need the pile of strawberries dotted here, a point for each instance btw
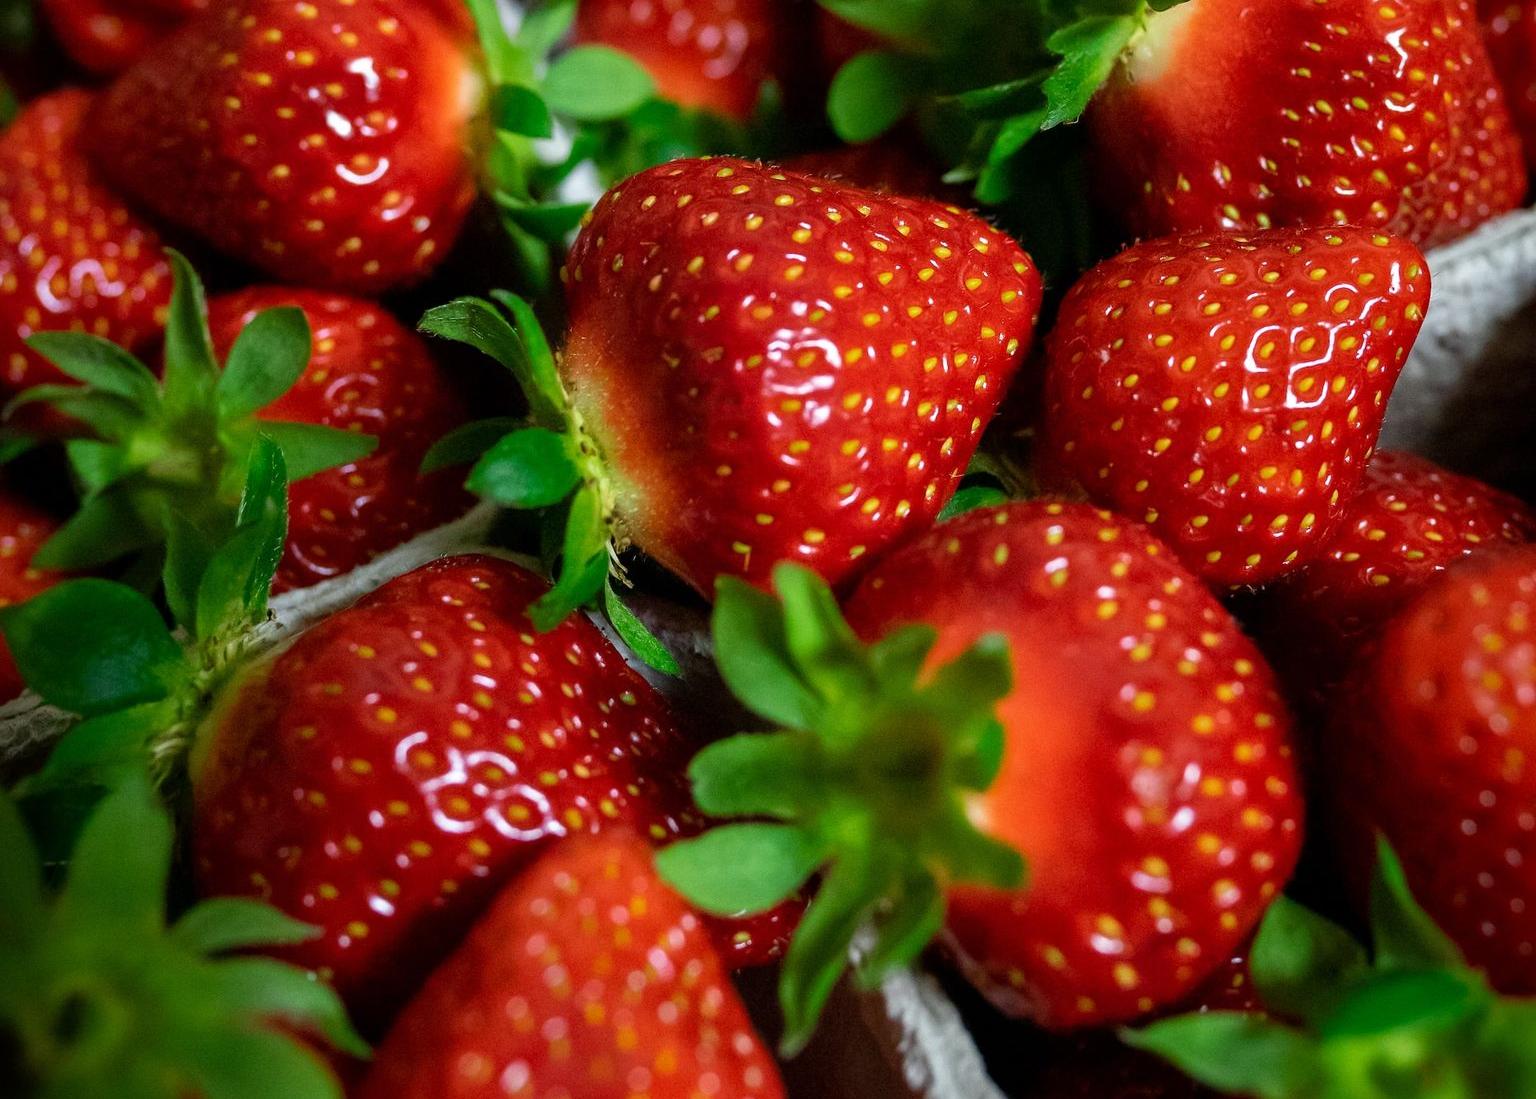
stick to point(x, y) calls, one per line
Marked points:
point(1001, 379)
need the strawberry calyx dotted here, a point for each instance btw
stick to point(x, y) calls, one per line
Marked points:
point(1406, 1018)
point(100, 997)
point(165, 460)
point(547, 463)
point(867, 784)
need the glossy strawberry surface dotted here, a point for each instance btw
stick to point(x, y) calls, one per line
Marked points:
point(1410, 522)
point(1432, 747)
point(1253, 113)
point(1146, 777)
point(1228, 389)
point(367, 373)
point(1509, 30)
point(385, 773)
point(588, 977)
point(777, 367)
point(711, 54)
point(323, 141)
point(72, 254)
point(23, 530)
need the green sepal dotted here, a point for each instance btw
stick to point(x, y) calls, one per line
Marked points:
point(523, 351)
point(550, 222)
point(871, 93)
point(191, 373)
point(99, 363)
point(310, 448)
point(634, 633)
point(596, 84)
point(545, 26)
point(870, 781)
point(109, 749)
point(529, 468)
point(970, 498)
point(107, 526)
point(22, 911)
point(519, 109)
point(233, 589)
point(1236, 1053)
point(1302, 962)
point(583, 562)
point(1402, 934)
point(1088, 49)
point(221, 924)
point(464, 445)
point(269, 355)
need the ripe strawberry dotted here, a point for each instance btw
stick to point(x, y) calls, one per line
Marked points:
point(1509, 31)
point(1431, 746)
point(1234, 114)
point(325, 141)
point(106, 36)
point(892, 166)
point(384, 774)
point(23, 529)
point(1228, 389)
point(714, 55)
point(1141, 765)
point(72, 256)
point(1411, 521)
point(776, 367)
point(587, 977)
point(366, 373)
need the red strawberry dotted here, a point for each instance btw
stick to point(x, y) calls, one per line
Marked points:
point(106, 36)
point(893, 166)
point(1252, 113)
point(587, 977)
point(71, 254)
point(1509, 31)
point(1410, 522)
point(385, 773)
point(324, 141)
point(780, 368)
point(23, 529)
point(367, 373)
point(1432, 746)
point(1228, 389)
point(709, 54)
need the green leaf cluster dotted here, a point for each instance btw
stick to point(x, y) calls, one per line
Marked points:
point(99, 997)
point(163, 462)
point(866, 784)
point(1405, 1020)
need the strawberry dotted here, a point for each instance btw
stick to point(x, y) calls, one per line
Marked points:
point(1138, 760)
point(23, 529)
point(382, 775)
point(760, 366)
point(1233, 114)
point(367, 373)
point(72, 256)
point(106, 36)
point(324, 142)
point(1228, 389)
point(1411, 521)
point(587, 977)
point(713, 55)
point(1509, 31)
point(1430, 746)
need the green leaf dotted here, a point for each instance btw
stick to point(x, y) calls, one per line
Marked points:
point(545, 26)
point(596, 84)
point(755, 774)
point(970, 855)
point(187, 553)
point(1089, 49)
point(191, 372)
point(1235, 1053)
point(234, 587)
point(13, 444)
point(22, 912)
point(753, 655)
point(269, 355)
point(265, 989)
point(898, 20)
point(820, 642)
point(583, 562)
point(740, 869)
point(465, 444)
point(504, 61)
point(519, 109)
point(1402, 934)
point(109, 749)
point(641, 641)
point(121, 864)
point(309, 449)
point(897, 659)
point(1302, 963)
point(481, 325)
point(551, 222)
point(91, 646)
point(914, 920)
point(97, 465)
point(531, 468)
point(99, 363)
point(257, 1064)
point(1003, 101)
point(540, 356)
point(110, 417)
point(106, 527)
point(972, 497)
point(870, 94)
point(1403, 999)
point(221, 924)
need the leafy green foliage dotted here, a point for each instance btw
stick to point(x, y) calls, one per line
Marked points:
point(866, 784)
point(1407, 1019)
point(101, 999)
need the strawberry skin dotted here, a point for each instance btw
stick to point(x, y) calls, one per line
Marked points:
point(23, 530)
point(106, 36)
point(1146, 777)
point(1228, 389)
point(1253, 113)
point(1432, 747)
point(381, 776)
point(1411, 521)
point(72, 255)
point(587, 977)
point(777, 367)
point(367, 373)
point(324, 142)
point(1509, 31)
point(714, 55)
